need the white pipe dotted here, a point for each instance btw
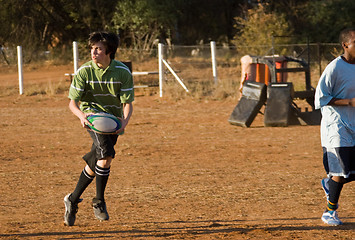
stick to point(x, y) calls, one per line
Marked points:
point(214, 61)
point(161, 68)
point(20, 68)
point(175, 75)
point(76, 56)
point(143, 73)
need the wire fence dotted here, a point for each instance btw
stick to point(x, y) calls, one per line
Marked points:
point(194, 54)
point(193, 64)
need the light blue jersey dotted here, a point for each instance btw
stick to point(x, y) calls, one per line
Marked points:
point(338, 122)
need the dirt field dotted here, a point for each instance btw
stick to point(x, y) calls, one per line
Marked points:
point(182, 172)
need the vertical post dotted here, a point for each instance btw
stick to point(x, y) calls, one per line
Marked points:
point(214, 61)
point(76, 56)
point(20, 69)
point(161, 68)
point(319, 59)
point(274, 74)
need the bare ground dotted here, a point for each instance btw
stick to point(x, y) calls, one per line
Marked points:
point(182, 172)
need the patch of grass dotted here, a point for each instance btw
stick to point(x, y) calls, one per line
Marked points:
point(8, 91)
point(49, 89)
point(198, 90)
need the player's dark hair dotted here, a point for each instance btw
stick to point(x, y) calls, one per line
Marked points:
point(345, 34)
point(109, 40)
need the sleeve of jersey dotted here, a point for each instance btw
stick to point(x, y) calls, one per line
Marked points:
point(323, 93)
point(127, 90)
point(77, 86)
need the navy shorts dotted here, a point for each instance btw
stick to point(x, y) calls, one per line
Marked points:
point(102, 146)
point(339, 161)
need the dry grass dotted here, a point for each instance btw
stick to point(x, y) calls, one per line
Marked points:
point(50, 89)
point(196, 75)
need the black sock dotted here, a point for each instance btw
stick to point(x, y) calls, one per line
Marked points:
point(102, 175)
point(334, 194)
point(84, 180)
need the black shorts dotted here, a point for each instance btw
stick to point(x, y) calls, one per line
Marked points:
point(339, 161)
point(102, 146)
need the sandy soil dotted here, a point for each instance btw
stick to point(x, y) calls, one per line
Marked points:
point(182, 172)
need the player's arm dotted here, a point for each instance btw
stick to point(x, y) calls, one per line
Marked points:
point(127, 113)
point(74, 108)
point(342, 102)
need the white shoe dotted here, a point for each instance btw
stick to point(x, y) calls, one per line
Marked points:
point(331, 218)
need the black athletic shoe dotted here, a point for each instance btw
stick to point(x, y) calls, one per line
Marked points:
point(100, 210)
point(70, 210)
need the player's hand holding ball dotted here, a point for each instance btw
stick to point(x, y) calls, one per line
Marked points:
point(85, 123)
point(123, 125)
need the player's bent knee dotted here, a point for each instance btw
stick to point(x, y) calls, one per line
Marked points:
point(105, 162)
point(89, 171)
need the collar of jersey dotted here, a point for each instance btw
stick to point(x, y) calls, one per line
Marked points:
point(112, 64)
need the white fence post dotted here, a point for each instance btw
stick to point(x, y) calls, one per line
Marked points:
point(161, 68)
point(214, 61)
point(162, 62)
point(76, 56)
point(20, 68)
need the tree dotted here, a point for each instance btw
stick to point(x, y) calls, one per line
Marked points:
point(328, 17)
point(142, 22)
point(206, 20)
point(26, 25)
point(320, 20)
point(257, 29)
point(43, 23)
point(296, 13)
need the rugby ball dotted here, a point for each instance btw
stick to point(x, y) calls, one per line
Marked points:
point(104, 123)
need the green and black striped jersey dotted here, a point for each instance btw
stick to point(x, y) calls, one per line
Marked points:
point(102, 90)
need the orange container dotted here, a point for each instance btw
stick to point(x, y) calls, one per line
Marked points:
point(262, 73)
point(281, 77)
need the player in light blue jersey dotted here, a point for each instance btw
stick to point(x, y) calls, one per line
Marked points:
point(335, 96)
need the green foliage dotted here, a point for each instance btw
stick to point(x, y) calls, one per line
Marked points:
point(328, 17)
point(143, 21)
point(40, 25)
point(51, 23)
point(18, 22)
point(258, 29)
point(205, 20)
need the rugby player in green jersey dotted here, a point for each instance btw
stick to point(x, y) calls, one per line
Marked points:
point(100, 85)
